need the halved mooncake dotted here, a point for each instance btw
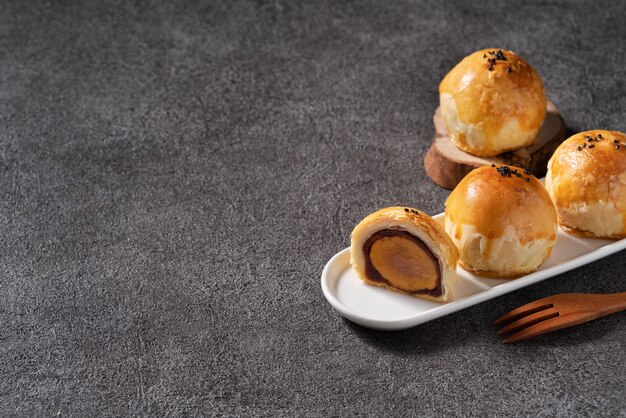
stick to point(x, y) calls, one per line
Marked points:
point(405, 250)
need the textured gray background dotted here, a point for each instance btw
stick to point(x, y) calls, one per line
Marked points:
point(175, 176)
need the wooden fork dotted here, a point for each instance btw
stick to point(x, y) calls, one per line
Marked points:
point(558, 312)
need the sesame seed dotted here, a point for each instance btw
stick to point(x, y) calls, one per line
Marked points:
point(591, 146)
point(527, 179)
point(617, 146)
point(578, 148)
point(505, 171)
point(406, 210)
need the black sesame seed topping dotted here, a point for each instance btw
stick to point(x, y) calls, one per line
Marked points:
point(585, 145)
point(495, 56)
point(406, 210)
point(617, 146)
point(505, 171)
point(600, 136)
point(527, 179)
point(591, 146)
point(590, 139)
point(578, 148)
point(615, 141)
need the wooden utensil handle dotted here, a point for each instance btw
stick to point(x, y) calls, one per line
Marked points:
point(615, 302)
point(599, 305)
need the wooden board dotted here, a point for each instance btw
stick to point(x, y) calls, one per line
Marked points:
point(446, 164)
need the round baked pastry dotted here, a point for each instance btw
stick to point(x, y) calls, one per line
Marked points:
point(404, 249)
point(492, 102)
point(502, 221)
point(587, 182)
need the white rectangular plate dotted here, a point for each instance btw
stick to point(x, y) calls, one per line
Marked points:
point(382, 309)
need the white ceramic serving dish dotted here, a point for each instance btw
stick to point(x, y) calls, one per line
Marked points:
point(383, 309)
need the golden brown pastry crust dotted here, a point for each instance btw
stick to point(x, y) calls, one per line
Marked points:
point(418, 224)
point(493, 101)
point(586, 180)
point(504, 225)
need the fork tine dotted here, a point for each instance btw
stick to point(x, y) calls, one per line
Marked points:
point(528, 309)
point(544, 327)
point(529, 320)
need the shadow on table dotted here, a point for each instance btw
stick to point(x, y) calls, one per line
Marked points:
point(431, 337)
point(473, 327)
point(439, 335)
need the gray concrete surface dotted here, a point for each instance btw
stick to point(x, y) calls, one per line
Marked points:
point(174, 176)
